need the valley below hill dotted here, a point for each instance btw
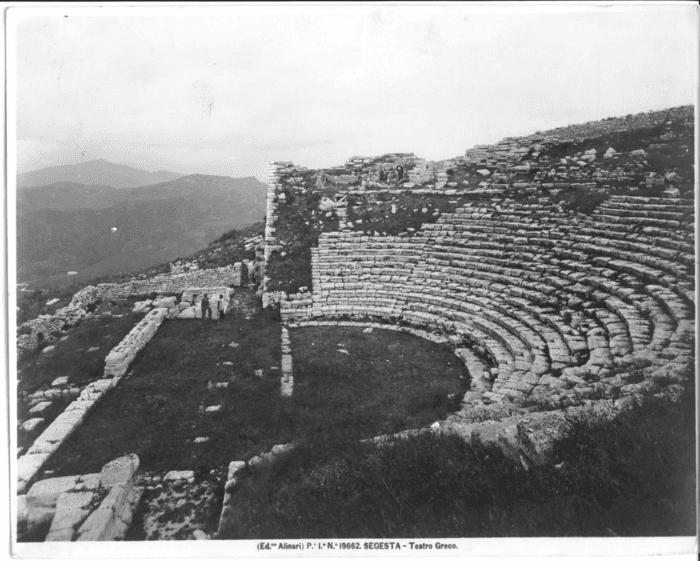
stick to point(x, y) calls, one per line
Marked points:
point(95, 230)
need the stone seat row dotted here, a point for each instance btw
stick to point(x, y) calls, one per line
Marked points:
point(510, 267)
point(559, 276)
point(627, 315)
point(564, 338)
point(477, 269)
point(638, 269)
point(557, 350)
point(619, 210)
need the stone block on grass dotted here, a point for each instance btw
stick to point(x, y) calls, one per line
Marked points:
point(40, 408)
point(186, 475)
point(119, 470)
point(31, 426)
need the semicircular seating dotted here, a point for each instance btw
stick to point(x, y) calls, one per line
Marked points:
point(557, 309)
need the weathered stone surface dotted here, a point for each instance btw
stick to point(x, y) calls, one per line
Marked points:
point(72, 508)
point(142, 306)
point(233, 468)
point(189, 313)
point(539, 432)
point(119, 470)
point(27, 467)
point(179, 475)
point(32, 425)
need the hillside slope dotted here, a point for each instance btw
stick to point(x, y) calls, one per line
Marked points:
point(72, 231)
point(66, 195)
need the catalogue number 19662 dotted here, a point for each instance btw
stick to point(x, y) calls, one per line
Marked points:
point(355, 545)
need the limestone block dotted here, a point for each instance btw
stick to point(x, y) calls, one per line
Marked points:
point(539, 432)
point(123, 517)
point(190, 313)
point(165, 302)
point(186, 475)
point(42, 498)
point(40, 408)
point(31, 425)
point(45, 493)
point(142, 306)
point(96, 525)
point(233, 468)
point(119, 470)
point(71, 510)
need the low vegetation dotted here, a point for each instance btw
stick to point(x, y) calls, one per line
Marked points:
point(632, 477)
point(394, 214)
point(173, 510)
point(79, 355)
point(299, 225)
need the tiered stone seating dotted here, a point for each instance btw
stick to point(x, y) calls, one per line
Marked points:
point(551, 305)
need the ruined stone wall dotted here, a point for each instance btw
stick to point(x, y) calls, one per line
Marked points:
point(168, 284)
point(48, 328)
point(273, 186)
point(510, 151)
point(119, 358)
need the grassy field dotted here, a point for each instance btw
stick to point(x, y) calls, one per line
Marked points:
point(384, 382)
point(634, 477)
point(72, 357)
point(387, 382)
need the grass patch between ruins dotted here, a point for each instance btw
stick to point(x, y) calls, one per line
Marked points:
point(72, 357)
point(387, 382)
point(632, 477)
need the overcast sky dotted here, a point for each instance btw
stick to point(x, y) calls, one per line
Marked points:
point(228, 91)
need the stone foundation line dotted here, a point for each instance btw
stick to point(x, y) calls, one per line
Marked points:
point(287, 381)
point(116, 364)
point(232, 479)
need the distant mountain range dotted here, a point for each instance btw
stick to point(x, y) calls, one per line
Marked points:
point(95, 172)
point(68, 225)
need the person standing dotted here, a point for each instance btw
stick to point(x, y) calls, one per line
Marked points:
point(206, 308)
point(220, 307)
